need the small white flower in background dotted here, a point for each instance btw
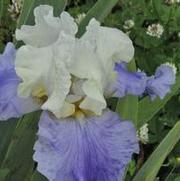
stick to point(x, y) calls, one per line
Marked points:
point(143, 134)
point(179, 34)
point(128, 24)
point(15, 9)
point(155, 30)
point(80, 17)
point(173, 66)
point(170, 2)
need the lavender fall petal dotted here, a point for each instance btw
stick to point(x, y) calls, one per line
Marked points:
point(10, 104)
point(91, 149)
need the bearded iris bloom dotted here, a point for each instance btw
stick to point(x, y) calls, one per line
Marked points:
point(79, 138)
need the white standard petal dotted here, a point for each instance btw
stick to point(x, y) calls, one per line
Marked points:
point(47, 28)
point(111, 43)
point(68, 23)
point(86, 65)
point(96, 54)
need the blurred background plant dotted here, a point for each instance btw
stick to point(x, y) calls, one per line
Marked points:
point(154, 27)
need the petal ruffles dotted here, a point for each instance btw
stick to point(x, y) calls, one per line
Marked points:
point(47, 28)
point(128, 83)
point(92, 149)
point(160, 84)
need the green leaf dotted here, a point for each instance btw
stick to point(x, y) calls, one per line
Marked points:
point(173, 177)
point(162, 11)
point(3, 8)
point(148, 108)
point(99, 11)
point(132, 167)
point(127, 107)
point(152, 165)
point(6, 131)
point(38, 177)
point(18, 158)
point(27, 16)
point(177, 178)
point(3, 174)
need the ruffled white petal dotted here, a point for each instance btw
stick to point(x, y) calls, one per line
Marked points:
point(47, 28)
point(111, 43)
point(68, 24)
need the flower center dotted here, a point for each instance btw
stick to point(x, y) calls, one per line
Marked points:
point(81, 113)
point(40, 94)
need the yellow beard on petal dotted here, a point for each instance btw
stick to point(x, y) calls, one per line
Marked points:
point(40, 94)
point(81, 113)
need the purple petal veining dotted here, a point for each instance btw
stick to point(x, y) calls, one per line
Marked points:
point(92, 149)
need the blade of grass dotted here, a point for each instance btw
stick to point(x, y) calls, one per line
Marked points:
point(99, 11)
point(152, 165)
point(38, 177)
point(6, 132)
point(18, 158)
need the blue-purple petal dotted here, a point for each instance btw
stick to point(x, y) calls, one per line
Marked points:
point(10, 104)
point(160, 84)
point(92, 149)
point(128, 83)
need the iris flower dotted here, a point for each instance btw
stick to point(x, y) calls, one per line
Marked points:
point(79, 137)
